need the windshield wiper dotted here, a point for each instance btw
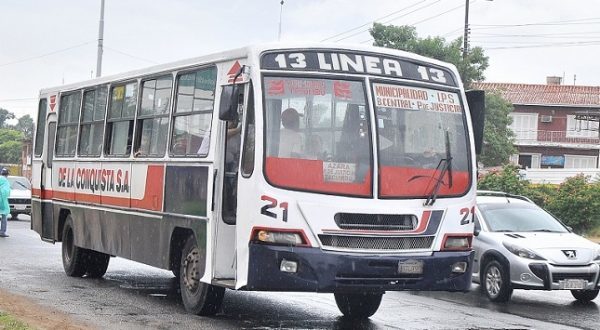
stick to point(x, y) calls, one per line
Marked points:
point(545, 230)
point(446, 168)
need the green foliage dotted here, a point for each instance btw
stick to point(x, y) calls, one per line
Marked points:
point(5, 115)
point(25, 125)
point(406, 38)
point(497, 136)
point(10, 146)
point(506, 180)
point(9, 322)
point(575, 202)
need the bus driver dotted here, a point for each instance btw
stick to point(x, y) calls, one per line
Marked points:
point(290, 139)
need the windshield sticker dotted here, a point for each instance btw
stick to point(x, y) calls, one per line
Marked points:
point(342, 90)
point(339, 172)
point(296, 87)
point(411, 98)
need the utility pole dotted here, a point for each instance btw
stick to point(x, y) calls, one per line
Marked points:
point(280, 15)
point(466, 35)
point(100, 40)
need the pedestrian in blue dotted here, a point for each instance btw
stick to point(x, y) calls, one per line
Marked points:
point(4, 206)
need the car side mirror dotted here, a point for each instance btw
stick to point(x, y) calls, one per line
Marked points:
point(228, 109)
point(570, 229)
point(476, 231)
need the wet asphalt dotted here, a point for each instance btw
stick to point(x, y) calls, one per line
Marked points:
point(136, 296)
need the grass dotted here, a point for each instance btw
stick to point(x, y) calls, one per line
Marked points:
point(7, 322)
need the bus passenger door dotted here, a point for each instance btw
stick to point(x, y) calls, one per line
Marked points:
point(47, 213)
point(225, 245)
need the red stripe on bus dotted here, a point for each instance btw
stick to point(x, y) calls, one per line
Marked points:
point(152, 200)
point(306, 174)
point(414, 182)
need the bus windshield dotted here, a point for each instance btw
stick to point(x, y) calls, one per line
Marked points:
point(317, 135)
point(418, 129)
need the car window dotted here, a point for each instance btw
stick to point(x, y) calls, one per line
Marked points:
point(19, 183)
point(519, 217)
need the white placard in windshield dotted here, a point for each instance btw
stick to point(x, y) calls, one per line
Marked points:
point(339, 172)
point(413, 98)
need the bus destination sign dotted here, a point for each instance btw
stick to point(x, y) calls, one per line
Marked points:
point(356, 63)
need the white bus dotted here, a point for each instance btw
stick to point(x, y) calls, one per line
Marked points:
point(301, 167)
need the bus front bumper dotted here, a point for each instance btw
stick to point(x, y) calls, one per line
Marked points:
point(327, 271)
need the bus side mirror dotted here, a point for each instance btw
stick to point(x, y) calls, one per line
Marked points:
point(228, 106)
point(476, 101)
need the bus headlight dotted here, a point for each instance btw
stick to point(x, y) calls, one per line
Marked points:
point(276, 236)
point(457, 242)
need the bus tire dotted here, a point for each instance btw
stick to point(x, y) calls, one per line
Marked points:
point(198, 298)
point(73, 257)
point(358, 305)
point(97, 264)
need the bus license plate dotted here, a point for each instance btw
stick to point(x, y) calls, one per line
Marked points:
point(410, 267)
point(571, 284)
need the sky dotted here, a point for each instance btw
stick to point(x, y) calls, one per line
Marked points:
point(48, 43)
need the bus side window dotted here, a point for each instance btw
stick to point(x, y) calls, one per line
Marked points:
point(192, 116)
point(249, 140)
point(92, 122)
point(41, 125)
point(153, 117)
point(68, 122)
point(119, 125)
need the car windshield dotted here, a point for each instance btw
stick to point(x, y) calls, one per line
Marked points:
point(19, 183)
point(518, 217)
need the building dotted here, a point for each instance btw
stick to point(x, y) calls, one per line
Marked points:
point(552, 124)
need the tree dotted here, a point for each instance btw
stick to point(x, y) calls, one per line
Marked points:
point(406, 38)
point(10, 146)
point(25, 125)
point(4, 116)
point(497, 136)
point(576, 203)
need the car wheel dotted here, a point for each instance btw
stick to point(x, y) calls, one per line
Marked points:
point(496, 282)
point(358, 305)
point(73, 257)
point(13, 216)
point(584, 295)
point(198, 298)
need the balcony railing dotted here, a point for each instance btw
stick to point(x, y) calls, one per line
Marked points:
point(531, 136)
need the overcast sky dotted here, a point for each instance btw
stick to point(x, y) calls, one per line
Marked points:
point(46, 43)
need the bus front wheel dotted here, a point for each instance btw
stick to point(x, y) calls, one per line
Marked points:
point(73, 257)
point(198, 298)
point(358, 305)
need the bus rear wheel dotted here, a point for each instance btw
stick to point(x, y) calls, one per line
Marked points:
point(358, 305)
point(198, 298)
point(97, 263)
point(73, 257)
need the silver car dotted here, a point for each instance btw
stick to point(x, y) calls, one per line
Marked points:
point(518, 245)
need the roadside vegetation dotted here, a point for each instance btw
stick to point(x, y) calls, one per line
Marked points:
point(575, 202)
point(8, 322)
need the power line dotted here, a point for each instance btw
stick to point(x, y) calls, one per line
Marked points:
point(18, 100)
point(388, 21)
point(549, 45)
point(373, 21)
point(129, 55)
point(553, 23)
point(45, 55)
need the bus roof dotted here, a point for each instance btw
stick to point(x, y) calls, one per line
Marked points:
point(241, 53)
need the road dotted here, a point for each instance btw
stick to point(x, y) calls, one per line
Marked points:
point(135, 296)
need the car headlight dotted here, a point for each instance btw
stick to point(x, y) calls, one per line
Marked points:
point(521, 251)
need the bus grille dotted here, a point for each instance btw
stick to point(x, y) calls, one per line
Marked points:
point(376, 221)
point(376, 243)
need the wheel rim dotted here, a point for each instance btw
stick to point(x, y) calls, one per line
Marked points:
point(191, 275)
point(68, 243)
point(493, 281)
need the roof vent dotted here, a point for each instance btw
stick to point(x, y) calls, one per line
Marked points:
point(553, 80)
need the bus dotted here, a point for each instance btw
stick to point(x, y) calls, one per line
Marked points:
point(287, 167)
